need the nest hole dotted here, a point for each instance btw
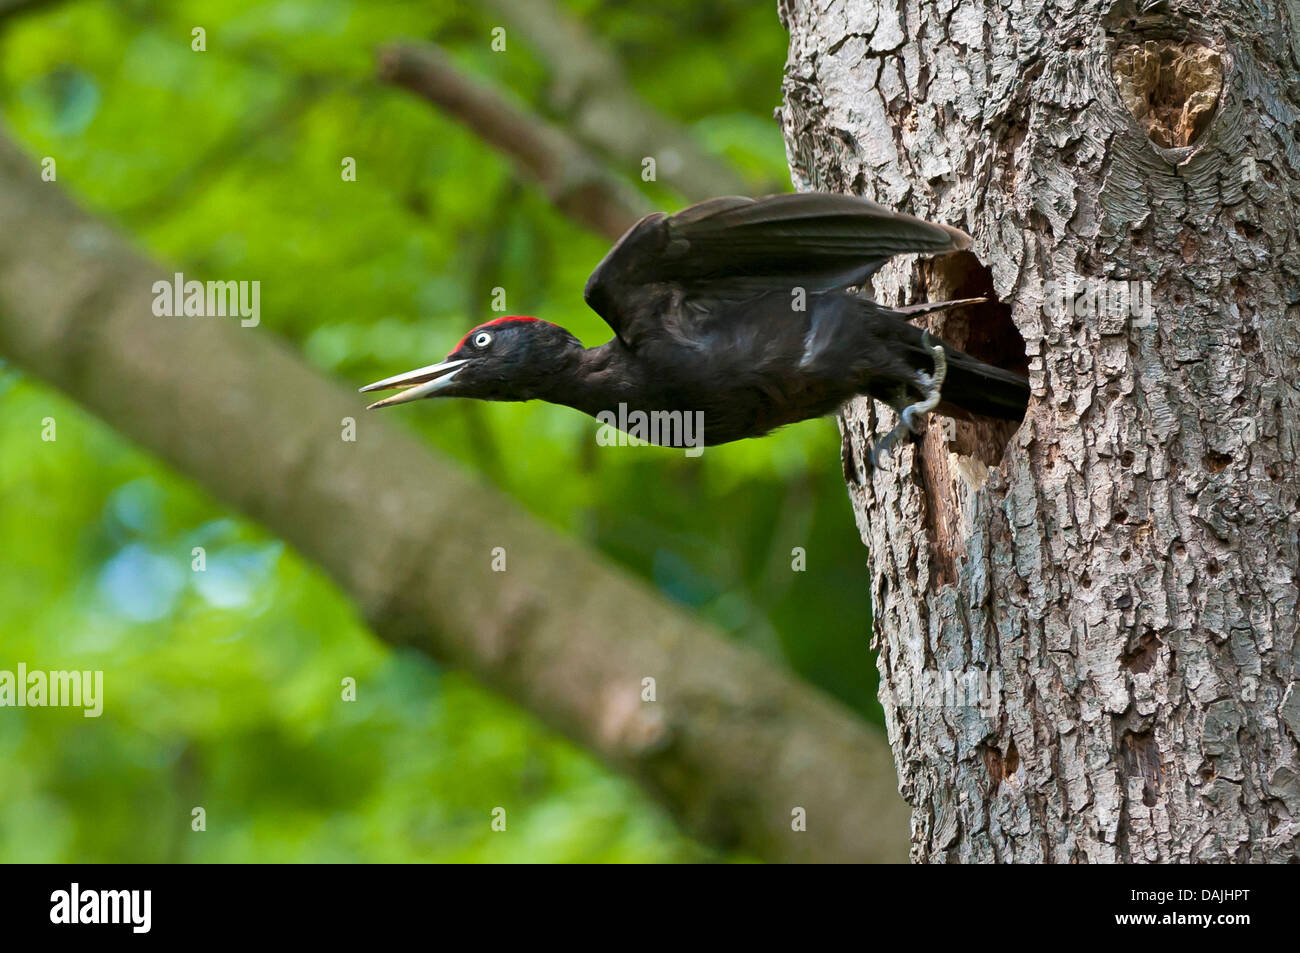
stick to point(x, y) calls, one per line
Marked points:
point(984, 331)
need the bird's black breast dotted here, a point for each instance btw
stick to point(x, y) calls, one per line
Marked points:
point(750, 365)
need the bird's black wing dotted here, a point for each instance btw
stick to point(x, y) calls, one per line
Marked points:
point(733, 248)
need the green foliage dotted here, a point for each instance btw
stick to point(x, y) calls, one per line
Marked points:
point(223, 687)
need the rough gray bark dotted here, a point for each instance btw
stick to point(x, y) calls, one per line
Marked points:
point(1121, 571)
point(731, 745)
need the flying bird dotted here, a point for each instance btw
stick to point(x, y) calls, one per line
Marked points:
point(738, 311)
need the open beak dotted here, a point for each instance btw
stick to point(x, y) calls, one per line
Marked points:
point(416, 384)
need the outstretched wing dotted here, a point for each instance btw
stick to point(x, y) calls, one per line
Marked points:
point(733, 248)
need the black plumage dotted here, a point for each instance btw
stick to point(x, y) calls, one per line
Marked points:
point(735, 309)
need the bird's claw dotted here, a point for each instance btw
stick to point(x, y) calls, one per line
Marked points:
point(884, 445)
point(912, 419)
point(931, 385)
point(880, 451)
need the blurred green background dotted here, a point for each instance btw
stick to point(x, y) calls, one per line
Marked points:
point(222, 687)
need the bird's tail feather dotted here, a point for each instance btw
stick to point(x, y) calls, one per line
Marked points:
point(971, 384)
point(982, 388)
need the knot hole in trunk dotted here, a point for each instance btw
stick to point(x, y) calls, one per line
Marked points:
point(1169, 77)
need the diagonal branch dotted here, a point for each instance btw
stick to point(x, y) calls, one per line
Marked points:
point(575, 182)
point(9, 8)
point(733, 744)
point(604, 110)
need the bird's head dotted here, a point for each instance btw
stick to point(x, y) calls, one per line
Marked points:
point(510, 358)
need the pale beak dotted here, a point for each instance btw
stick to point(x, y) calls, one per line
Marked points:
point(418, 383)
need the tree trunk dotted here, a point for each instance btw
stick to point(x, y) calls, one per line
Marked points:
point(1086, 625)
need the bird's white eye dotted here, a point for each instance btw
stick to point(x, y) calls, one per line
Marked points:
point(482, 339)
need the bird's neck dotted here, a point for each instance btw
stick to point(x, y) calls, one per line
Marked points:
point(598, 379)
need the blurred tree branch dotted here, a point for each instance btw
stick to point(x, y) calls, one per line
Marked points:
point(603, 109)
point(732, 745)
point(10, 8)
point(577, 184)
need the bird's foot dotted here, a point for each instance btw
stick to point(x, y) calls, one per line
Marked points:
point(910, 416)
point(930, 384)
point(885, 445)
